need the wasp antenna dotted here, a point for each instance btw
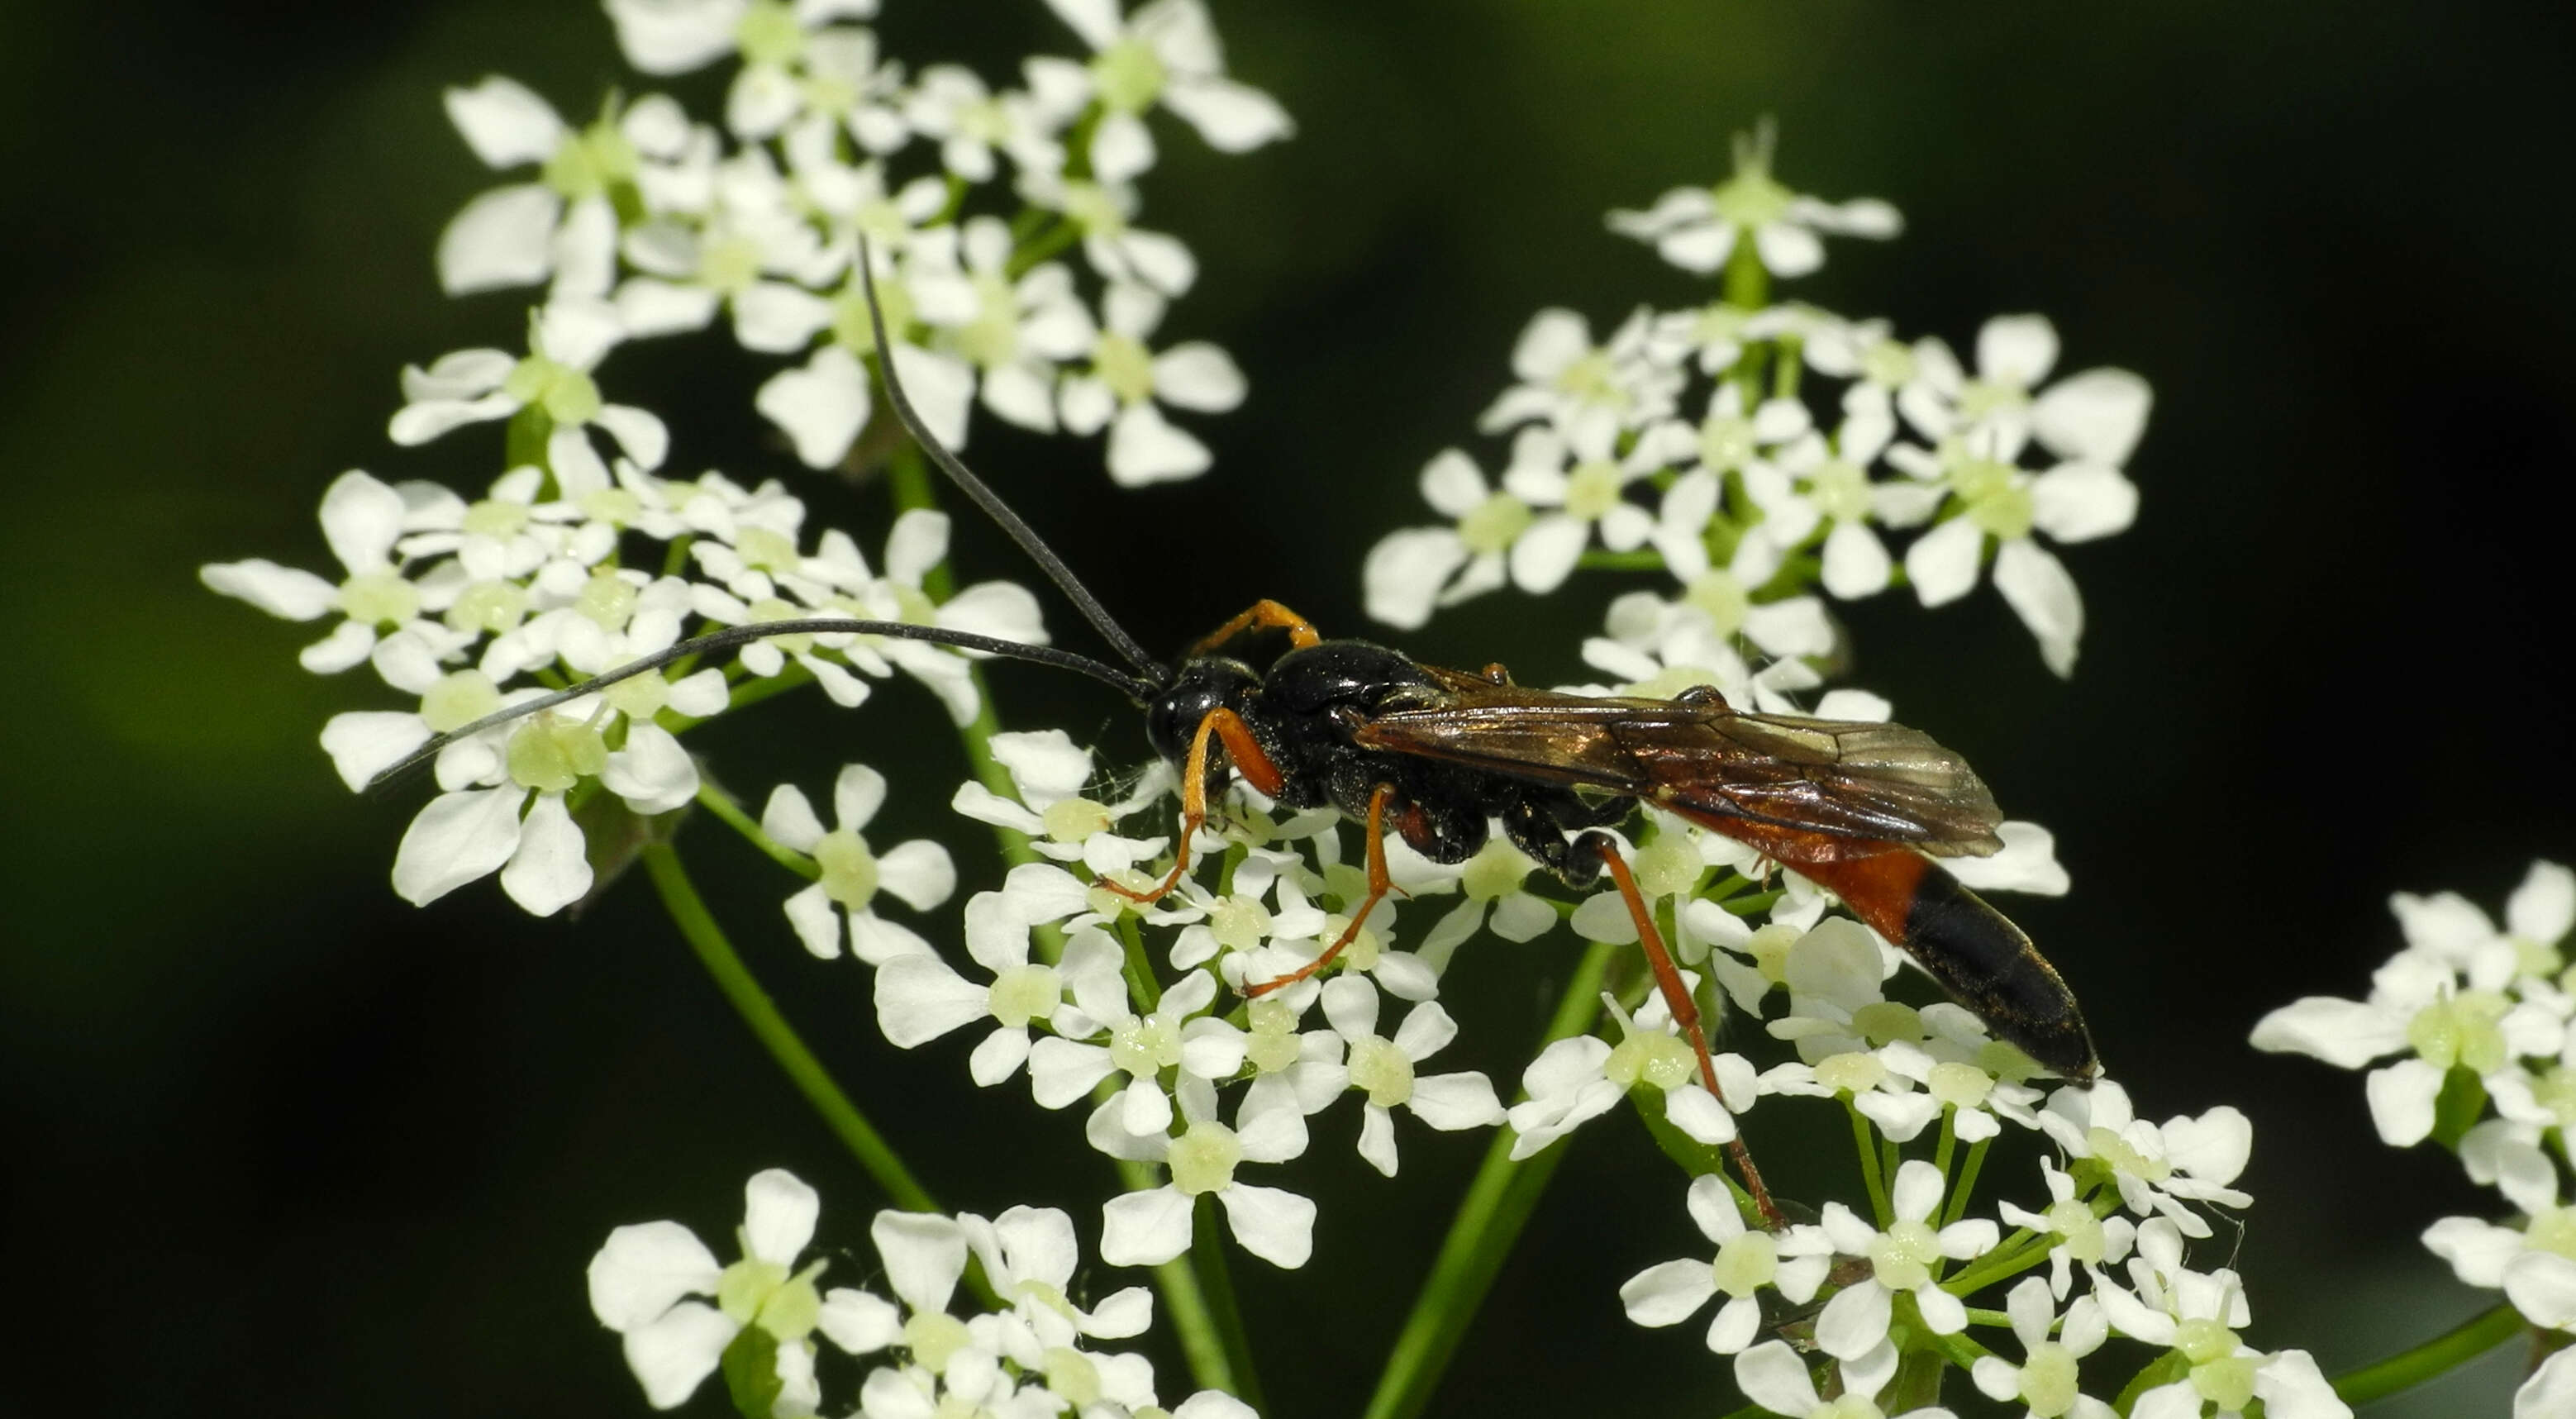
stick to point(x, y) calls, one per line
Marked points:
point(990, 501)
point(1140, 691)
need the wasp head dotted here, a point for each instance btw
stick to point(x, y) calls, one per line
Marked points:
point(1204, 685)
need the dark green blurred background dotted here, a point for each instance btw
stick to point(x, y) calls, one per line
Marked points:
point(279, 1144)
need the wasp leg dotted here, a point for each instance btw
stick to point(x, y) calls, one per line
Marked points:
point(1677, 999)
point(1379, 884)
point(1223, 726)
point(1265, 615)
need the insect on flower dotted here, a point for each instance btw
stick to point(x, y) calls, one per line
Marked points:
point(1439, 756)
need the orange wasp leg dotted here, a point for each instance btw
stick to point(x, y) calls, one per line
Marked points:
point(1265, 615)
point(1685, 1012)
point(1379, 884)
point(1226, 727)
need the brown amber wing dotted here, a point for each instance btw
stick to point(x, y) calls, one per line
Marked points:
point(1850, 780)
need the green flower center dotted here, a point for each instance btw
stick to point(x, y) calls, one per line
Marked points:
point(1091, 208)
point(1143, 1046)
point(1497, 870)
point(1902, 1257)
point(729, 264)
point(568, 395)
point(608, 599)
point(550, 755)
point(762, 1293)
point(1888, 363)
point(2116, 1154)
point(590, 162)
point(1649, 1056)
point(849, 869)
point(768, 33)
point(1961, 1086)
point(1025, 993)
point(1721, 598)
point(1840, 490)
point(1849, 1406)
point(1996, 497)
point(1852, 1072)
point(1239, 923)
point(1203, 1159)
point(850, 327)
point(1271, 1042)
point(379, 599)
point(496, 518)
point(2048, 1380)
point(1125, 365)
point(1072, 1376)
point(1886, 1021)
point(993, 337)
point(2081, 1230)
point(770, 608)
point(2462, 1031)
point(1746, 1262)
point(458, 699)
point(493, 606)
point(1592, 489)
point(2553, 1229)
point(1128, 75)
point(1985, 398)
point(1667, 866)
point(766, 548)
point(1070, 820)
point(614, 506)
point(1593, 378)
point(1380, 1068)
point(638, 697)
point(1726, 442)
point(1752, 197)
point(935, 1337)
point(1495, 524)
point(1769, 949)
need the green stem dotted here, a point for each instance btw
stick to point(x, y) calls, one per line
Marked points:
point(689, 911)
point(1490, 1217)
point(1601, 561)
point(1207, 1263)
point(1949, 1141)
point(720, 803)
point(1869, 1173)
point(1959, 1195)
point(2445, 1352)
point(2006, 1263)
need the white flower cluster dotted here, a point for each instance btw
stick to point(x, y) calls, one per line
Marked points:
point(1698, 442)
point(2482, 1024)
point(660, 224)
point(1031, 1354)
point(646, 223)
point(2122, 1197)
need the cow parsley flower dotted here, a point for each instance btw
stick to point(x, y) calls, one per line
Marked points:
point(1698, 228)
point(2046, 1380)
point(1587, 392)
point(1747, 1261)
point(362, 521)
point(916, 873)
point(1383, 1069)
point(1901, 1258)
point(1150, 1227)
point(1126, 383)
point(1772, 1375)
point(566, 340)
point(1166, 52)
point(562, 225)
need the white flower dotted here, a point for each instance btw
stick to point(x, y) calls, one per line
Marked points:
point(919, 997)
point(362, 520)
point(642, 1275)
point(1030, 1256)
point(1165, 52)
point(1772, 1375)
point(565, 341)
point(1411, 571)
point(1588, 494)
point(1813, 485)
point(1576, 1080)
point(1151, 1227)
point(1015, 331)
point(2197, 1314)
point(1121, 252)
point(1490, 882)
point(1049, 773)
point(1125, 381)
point(1588, 392)
point(561, 225)
point(2082, 1236)
point(1139, 1047)
point(2046, 1379)
point(1901, 1258)
point(951, 104)
point(1697, 228)
point(2157, 1167)
point(1746, 1262)
point(2092, 418)
point(2072, 502)
point(917, 873)
point(1383, 1069)
point(792, 56)
point(2419, 1004)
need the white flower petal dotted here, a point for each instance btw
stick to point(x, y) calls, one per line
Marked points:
point(924, 1253)
point(1145, 447)
point(820, 406)
point(671, 1356)
point(1145, 1228)
point(644, 1269)
point(2039, 589)
point(2344, 1033)
point(1198, 376)
point(1942, 563)
point(1668, 1293)
point(549, 870)
point(1854, 1322)
point(1232, 117)
point(502, 238)
point(2097, 415)
point(2401, 1101)
point(1272, 1224)
point(458, 838)
point(918, 999)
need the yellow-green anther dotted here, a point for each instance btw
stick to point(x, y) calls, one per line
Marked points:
point(2007, 513)
point(1902, 1256)
point(790, 1311)
point(608, 599)
point(934, 1338)
point(1072, 1377)
point(2048, 1380)
point(1769, 948)
point(2227, 1383)
point(1854, 1072)
point(1070, 820)
point(2463, 1030)
point(1497, 870)
point(459, 698)
point(550, 755)
point(1378, 1067)
point(1271, 1043)
point(638, 697)
point(1493, 525)
point(1204, 1158)
point(1143, 1046)
point(766, 548)
point(1746, 1262)
point(496, 517)
point(1650, 1057)
point(1726, 442)
point(1022, 994)
point(1668, 865)
point(1840, 490)
point(1592, 489)
point(1124, 365)
point(1962, 1086)
point(1239, 923)
point(1721, 598)
point(2202, 1341)
point(488, 606)
point(1593, 378)
point(1128, 75)
point(2115, 1152)
point(768, 33)
point(850, 315)
point(379, 599)
point(849, 869)
point(1887, 1021)
point(2082, 1232)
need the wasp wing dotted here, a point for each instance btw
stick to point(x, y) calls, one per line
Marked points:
point(1851, 781)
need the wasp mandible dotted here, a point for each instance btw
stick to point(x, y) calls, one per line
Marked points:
point(1439, 757)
